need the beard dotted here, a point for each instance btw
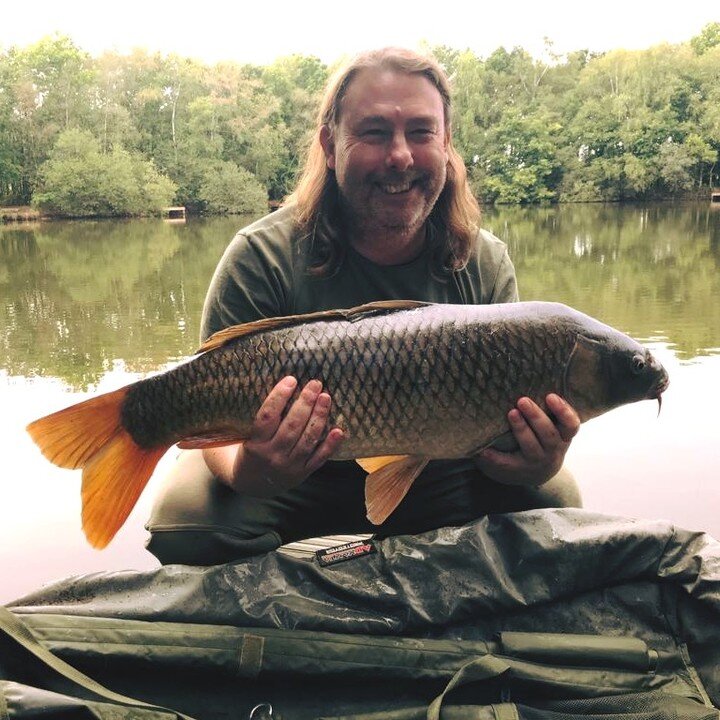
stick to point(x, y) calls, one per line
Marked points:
point(382, 207)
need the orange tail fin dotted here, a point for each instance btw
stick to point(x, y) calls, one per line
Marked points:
point(89, 435)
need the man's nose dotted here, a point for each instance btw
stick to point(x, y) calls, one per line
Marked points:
point(399, 155)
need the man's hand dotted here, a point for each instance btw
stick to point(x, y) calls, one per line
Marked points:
point(543, 442)
point(282, 450)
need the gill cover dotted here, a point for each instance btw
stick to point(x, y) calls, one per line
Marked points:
point(586, 378)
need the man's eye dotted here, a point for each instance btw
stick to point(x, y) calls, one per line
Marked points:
point(422, 135)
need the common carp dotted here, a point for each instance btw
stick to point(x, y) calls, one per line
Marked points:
point(409, 382)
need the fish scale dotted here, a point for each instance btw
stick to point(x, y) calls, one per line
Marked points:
point(388, 380)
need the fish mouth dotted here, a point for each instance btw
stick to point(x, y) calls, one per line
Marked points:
point(661, 384)
point(660, 387)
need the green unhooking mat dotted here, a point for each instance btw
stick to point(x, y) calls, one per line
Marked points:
point(554, 614)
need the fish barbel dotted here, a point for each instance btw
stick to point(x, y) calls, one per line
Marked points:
point(409, 382)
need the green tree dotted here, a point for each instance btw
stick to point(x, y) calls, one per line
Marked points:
point(674, 163)
point(11, 160)
point(49, 88)
point(709, 113)
point(297, 82)
point(627, 122)
point(470, 99)
point(506, 135)
point(113, 122)
point(157, 91)
point(80, 181)
point(254, 132)
point(227, 188)
point(519, 161)
point(618, 126)
point(229, 117)
point(708, 38)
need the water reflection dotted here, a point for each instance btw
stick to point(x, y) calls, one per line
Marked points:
point(650, 271)
point(77, 296)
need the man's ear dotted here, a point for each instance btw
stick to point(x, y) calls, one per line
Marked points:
point(327, 141)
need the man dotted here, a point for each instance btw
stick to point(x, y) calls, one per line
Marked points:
point(382, 211)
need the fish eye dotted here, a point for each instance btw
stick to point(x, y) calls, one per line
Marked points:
point(638, 362)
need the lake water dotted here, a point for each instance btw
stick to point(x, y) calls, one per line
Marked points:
point(90, 306)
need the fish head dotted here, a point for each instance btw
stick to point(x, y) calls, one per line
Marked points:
point(606, 372)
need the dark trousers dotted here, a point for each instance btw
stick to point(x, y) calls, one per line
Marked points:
point(196, 520)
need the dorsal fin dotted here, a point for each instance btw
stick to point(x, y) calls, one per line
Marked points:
point(237, 331)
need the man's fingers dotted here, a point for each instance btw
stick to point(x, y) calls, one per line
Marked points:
point(270, 413)
point(543, 438)
point(325, 450)
point(314, 428)
point(288, 441)
point(567, 420)
point(294, 423)
point(520, 420)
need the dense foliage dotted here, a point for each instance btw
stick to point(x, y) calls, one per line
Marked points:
point(78, 180)
point(122, 134)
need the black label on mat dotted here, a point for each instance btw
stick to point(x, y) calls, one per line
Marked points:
point(348, 551)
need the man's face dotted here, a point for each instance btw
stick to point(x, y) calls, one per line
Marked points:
point(389, 151)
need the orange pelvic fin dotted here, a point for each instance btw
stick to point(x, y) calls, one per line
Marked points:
point(372, 464)
point(388, 483)
point(90, 436)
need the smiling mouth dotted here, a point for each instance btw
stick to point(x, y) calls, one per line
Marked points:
point(396, 188)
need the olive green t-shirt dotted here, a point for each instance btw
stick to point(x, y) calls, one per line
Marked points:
point(263, 274)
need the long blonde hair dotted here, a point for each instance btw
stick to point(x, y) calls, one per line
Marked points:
point(453, 221)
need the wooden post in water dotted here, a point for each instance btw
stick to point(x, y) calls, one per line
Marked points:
point(174, 213)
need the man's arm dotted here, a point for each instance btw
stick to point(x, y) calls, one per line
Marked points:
point(505, 287)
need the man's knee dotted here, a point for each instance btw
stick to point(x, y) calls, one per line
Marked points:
point(560, 491)
point(206, 547)
point(196, 520)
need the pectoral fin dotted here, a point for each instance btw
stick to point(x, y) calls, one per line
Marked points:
point(388, 483)
point(583, 385)
point(210, 440)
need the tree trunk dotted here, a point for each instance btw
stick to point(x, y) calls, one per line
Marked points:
point(174, 136)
